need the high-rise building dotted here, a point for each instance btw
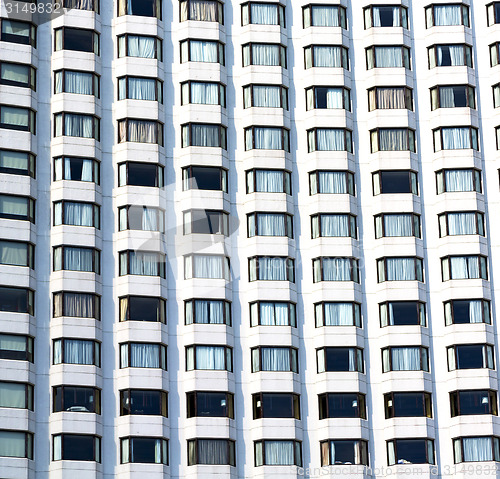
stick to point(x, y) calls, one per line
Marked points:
point(249, 239)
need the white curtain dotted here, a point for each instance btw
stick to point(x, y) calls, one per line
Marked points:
point(334, 269)
point(272, 268)
point(406, 359)
point(204, 93)
point(264, 96)
point(140, 131)
point(14, 205)
point(199, 10)
point(264, 138)
point(264, 13)
point(338, 314)
point(78, 259)
point(86, 170)
point(213, 451)
point(333, 182)
point(14, 253)
point(142, 355)
point(389, 57)
point(139, 46)
point(205, 135)
point(273, 314)
point(144, 263)
point(209, 312)
point(269, 181)
point(15, 116)
point(209, 266)
point(78, 125)
point(77, 305)
point(327, 139)
point(266, 54)
point(325, 16)
point(203, 51)
point(450, 55)
point(398, 225)
point(13, 395)
point(447, 15)
point(464, 267)
point(77, 82)
point(15, 73)
point(388, 98)
point(138, 88)
point(78, 351)
point(275, 359)
point(9, 342)
point(459, 180)
point(279, 453)
point(15, 160)
point(400, 269)
point(393, 139)
point(476, 311)
point(331, 225)
point(270, 224)
point(327, 56)
point(395, 17)
point(211, 357)
point(461, 223)
point(12, 444)
point(76, 214)
point(456, 138)
point(477, 449)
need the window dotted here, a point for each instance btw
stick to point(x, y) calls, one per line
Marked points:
point(392, 139)
point(467, 311)
point(326, 56)
point(328, 313)
point(144, 218)
point(405, 358)
point(140, 46)
point(324, 16)
point(16, 443)
point(210, 404)
point(339, 360)
point(142, 263)
point(140, 88)
point(76, 305)
point(344, 451)
point(496, 95)
point(272, 313)
point(144, 450)
point(385, 16)
point(263, 14)
point(495, 54)
point(203, 134)
point(76, 399)
point(270, 224)
point(76, 259)
point(455, 138)
point(206, 51)
point(454, 96)
point(202, 11)
point(269, 181)
point(271, 268)
point(280, 359)
point(463, 223)
point(17, 208)
point(17, 163)
point(473, 402)
point(142, 8)
point(407, 404)
point(207, 311)
point(493, 10)
point(342, 405)
point(16, 395)
point(17, 300)
point(267, 138)
point(143, 355)
point(329, 139)
point(16, 347)
point(140, 131)
point(76, 351)
point(326, 97)
point(470, 356)
point(207, 266)
point(76, 39)
point(80, 82)
point(209, 358)
point(410, 451)
point(446, 15)
point(211, 222)
point(204, 178)
point(400, 269)
point(464, 267)
point(76, 169)
point(16, 118)
point(143, 402)
point(76, 214)
point(335, 269)
point(13, 31)
point(203, 93)
point(390, 98)
point(267, 96)
point(450, 56)
point(402, 313)
point(216, 452)
point(76, 447)
point(17, 74)
point(73, 124)
point(331, 182)
point(328, 225)
point(264, 54)
point(397, 225)
point(82, 4)
point(276, 405)
point(17, 253)
point(395, 181)
point(476, 449)
point(458, 181)
point(277, 453)
point(388, 57)
point(140, 174)
point(143, 308)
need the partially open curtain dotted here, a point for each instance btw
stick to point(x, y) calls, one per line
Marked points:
point(325, 16)
point(406, 359)
point(279, 453)
point(264, 13)
point(327, 56)
point(275, 359)
point(477, 449)
point(447, 15)
point(139, 46)
point(265, 54)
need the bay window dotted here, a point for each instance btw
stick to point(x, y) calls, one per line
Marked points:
point(339, 359)
point(496, 95)
point(342, 405)
point(143, 450)
point(275, 358)
point(204, 134)
point(495, 54)
point(467, 311)
point(209, 358)
point(76, 399)
point(461, 180)
point(207, 311)
point(271, 268)
point(270, 224)
point(78, 125)
point(335, 269)
point(142, 263)
point(76, 305)
point(203, 93)
point(17, 118)
point(206, 51)
point(266, 96)
point(210, 178)
point(215, 452)
point(331, 182)
point(268, 181)
point(461, 223)
point(210, 404)
point(470, 356)
point(143, 355)
point(92, 5)
point(76, 214)
point(385, 16)
point(450, 55)
point(211, 222)
point(407, 404)
point(76, 259)
point(140, 131)
point(405, 358)
point(17, 300)
point(17, 253)
point(273, 313)
point(13, 31)
point(326, 56)
point(73, 81)
point(202, 11)
point(324, 16)
point(76, 351)
point(206, 266)
point(327, 225)
point(455, 138)
point(140, 174)
point(395, 181)
point(76, 169)
point(143, 218)
point(344, 451)
point(17, 208)
point(410, 451)
point(76, 447)
point(257, 13)
point(476, 449)
point(276, 405)
point(142, 8)
point(143, 402)
point(392, 139)
point(390, 98)
point(14, 162)
point(16, 395)
point(141, 46)
point(473, 402)
point(278, 452)
point(454, 96)
point(329, 139)
point(400, 269)
point(143, 308)
point(388, 57)
point(16, 444)
point(264, 54)
point(140, 88)
point(16, 347)
point(76, 39)
point(17, 74)
point(493, 11)
point(329, 313)
point(464, 267)
point(447, 15)
point(402, 313)
point(397, 225)
point(267, 138)
point(325, 97)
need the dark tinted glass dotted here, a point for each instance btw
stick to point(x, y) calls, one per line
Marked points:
point(144, 8)
point(337, 359)
point(144, 309)
point(469, 356)
point(75, 399)
point(460, 96)
point(208, 404)
point(205, 178)
point(143, 450)
point(148, 403)
point(341, 405)
point(497, 12)
point(321, 97)
point(79, 40)
point(395, 182)
point(277, 405)
point(474, 402)
point(412, 450)
point(461, 314)
point(208, 222)
point(76, 167)
point(78, 448)
point(344, 452)
point(386, 16)
point(405, 313)
point(408, 405)
point(444, 57)
point(14, 300)
point(142, 174)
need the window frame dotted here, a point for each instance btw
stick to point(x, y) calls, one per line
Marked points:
point(126, 410)
point(350, 182)
point(96, 452)
point(494, 53)
point(482, 267)
point(464, 11)
point(95, 5)
point(96, 125)
point(28, 395)
point(31, 128)
point(287, 183)
point(288, 221)
point(30, 253)
point(31, 76)
point(491, 8)
point(346, 95)
point(226, 266)
point(393, 442)
point(421, 313)
point(408, 94)
point(96, 351)
point(358, 352)
point(290, 268)
point(221, 92)
point(29, 351)
point(159, 175)
point(439, 131)
point(226, 310)
point(344, 56)
point(297, 445)
point(162, 307)
point(158, 46)
point(390, 408)
point(162, 355)
point(282, 50)
point(31, 171)
point(9, 37)
point(222, 220)
point(403, 16)
point(348, 144)
point(416, 260)
point(405, 55)
point(30, 299)
point(28, 444)
point(160, 217)
point(324, 405)
point(192, 404)
point(356, 314)
point(161, 263)
point(283, 94)
point(479, 223)
point(158, 87)
point(96, 214)
point(189, 128)
point(155, 3)
point(435, 92)
point(360, 444)
point(97, 398)
point(450, 307)
point(415, 218)
point(164, 450)
point(228, 351)
point(495, 442)
point(30, 207)
point(476, 180)
point(424, 365)
point(258, 411)
point(96, 81)
point(341, 10)
point(455, 402)
point(96, 168)
point(377, 178)
point(96, 257)
point(96, 40)
point(293, 354)
point(159, 132)
point(280, 10)
point(292, 313)
point(354, 267)
point(61, 294)
point(352, 225)
point(220, 12)
point(433, 48)
point(410, 139)
point(187, 174)
point(230, 451)
point(484, 346)
point(285, 137)
point(221, 51)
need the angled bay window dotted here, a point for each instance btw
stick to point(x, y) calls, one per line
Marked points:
point(275, 358)
point(446, 15)
point(388, 57)
point(402, 313)
point(470, 356)
point(410, 451)
point(264, 54)
point(16, 347)
point(17, 208)
point(16, 444)
point(257, 13)
point(16, 395)
point(76, 39)
point(78, 125)
point(143, 355)
point(342, 405)
point(270, 224)
point(14, 162)
point(324, 16)
point(467, 311)
point(204, 134)
point(92, 5)
point(405, 358)
point(76, 214)
point(144, 218)
point(335, 269)
point(493, 11)
point(207, 311)
point(453, 96)
point(464, 267)
point(344, 451)
point(13, 31)
point(461, 223)
point(495, 54)
point(271, 268)
point(267, 96)
point(210, 404)
point(473, 402)
point(215, 452)
point(73, 81)
point(76, 351)
point(143, 308)
point(326, 56)
point(268, 181)
point(339, 359)
point(71, 258)
point(17, 300)
point(202, 11)
point(329, 139)
point(272, 313)
point(450, 55)
point(331, 182)
point(397, 225)
point(143, 402)
point(17, 118)
point(329, 313)
point(142, 263)
point(142, 8)
point(203, 93)
point(392, 139)
point(400, 269)
point(76, 169)
point(140, 46)
point(496, 95)
point(326, 97)
point(140, 88)
point(407, 404)
point(456, 138)
point(267, 138)
point(206, 266)
point(211, 222)
point(76, 399)
point(395, 181)
point(140, 174)
point(276, 405)
point(476, 449)
point(390, 98)
point(385, 16)
point(461, 180)
point(140, 131)
point(206, 51)
point(143, 450)
point(327, 225)
point(277, 452)
point(209, 178)
point(17, 253)
point(17, 74)
point(76, 305)
point(209, 358)
point(76, 447)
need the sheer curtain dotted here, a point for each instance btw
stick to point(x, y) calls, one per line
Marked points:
point(138, 88)
point(328, 139)
point(12, 444)
point(77, 305)
point(400, 269)
point(141, 355)
point(398, 225)
point(476, 311)
point(13, 395)
point(205, 135)
point(459, 180)
point(76, 82)
point(200, 10)
point(279, 453)
point(275, 359)
point(393, 139)
point(477, 449)
point(338, 314)
point(14, 116)
point(389, 57)
point(203, 51)
point(213, 451)
point(78, 259)
point(208, 266)
point(456, 138)
point(335, 269)
point(208, 312)
point(210, 357)
point(139, 46)
point(264, 13)
point(265, 54)
point(204, 93)
point(270, 181)
point(78, 351)
point(325, 16)
point(78, 125)
point(265, 96)
point(406, 359)
point(14, 205)
point(273, 314)
point(329, 225)
point(272, 269)
point(390, 98)
point(76, 214)
point(140, 131)
point(333, 182)
point(396, 19)
point(464, 267)
point(14, 253)
point(15, 160)
point(265, 138)
point(462, 223)
point(144, 263)
point(447, 15)
point(270, 224)
point(327, 56)
point(450, 55)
